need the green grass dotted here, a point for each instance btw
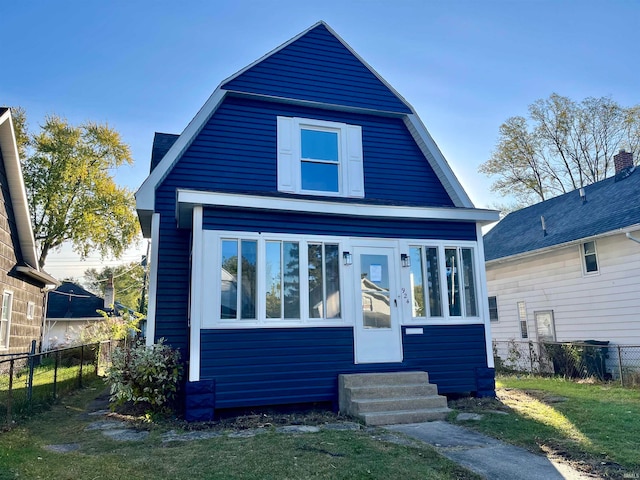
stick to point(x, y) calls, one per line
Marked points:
point(67, 379)
point(323, 455)
point(596, 423)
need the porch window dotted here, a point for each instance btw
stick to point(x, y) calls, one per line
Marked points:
point(493, 309)
point(273, 279)
point(429, 280)
point(239, 260)
point(282, 279)
point(425, 265)
point(324, 281)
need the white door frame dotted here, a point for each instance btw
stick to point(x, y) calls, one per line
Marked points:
point(378, 345)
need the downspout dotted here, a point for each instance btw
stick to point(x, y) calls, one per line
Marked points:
point(631, 237)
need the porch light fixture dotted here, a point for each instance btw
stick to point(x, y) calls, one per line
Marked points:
point(405, 259)
point(347, 258)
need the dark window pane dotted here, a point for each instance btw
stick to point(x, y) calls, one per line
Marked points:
point(291, 274)
point(248, 268)
point(320, 176)
point(433, 279)
point(453, 281)
point(319, 145)
point(332, 280)
point(316, 282)
point(471, 306)
point(229, 292)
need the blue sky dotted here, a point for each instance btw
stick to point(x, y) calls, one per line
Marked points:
point(465, 66)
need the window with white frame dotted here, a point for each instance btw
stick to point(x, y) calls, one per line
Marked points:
point(493, 309)
point(31, 309)
point(443, 281)
point(522, 317)
point(5, 319)
point(590, 257)
point(318, 157)
point(268, 279)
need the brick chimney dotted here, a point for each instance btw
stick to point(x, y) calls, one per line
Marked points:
point(623, 160)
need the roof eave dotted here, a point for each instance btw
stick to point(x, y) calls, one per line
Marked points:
point(17, 190)
point(38, 275)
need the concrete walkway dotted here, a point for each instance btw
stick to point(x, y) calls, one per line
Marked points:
point(487, 456)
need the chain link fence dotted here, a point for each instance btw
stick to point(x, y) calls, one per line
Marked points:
point(30, 381)
point(581, 360)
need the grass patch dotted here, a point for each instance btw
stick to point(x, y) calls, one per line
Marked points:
point(593, 425)
point(324, 455)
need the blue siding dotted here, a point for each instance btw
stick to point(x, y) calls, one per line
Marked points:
point(256, 367)
point(173, 282)
point(319, 68)
point(236, 152)
point(288, 222)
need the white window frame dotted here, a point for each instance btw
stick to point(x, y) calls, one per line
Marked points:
point(446, 318)
point(6, 317)
point(31, 310)
point(583, 257)
point(497, 316)
point(212, 259)
point(521, 307)
point(350, 161)
point(536, 316)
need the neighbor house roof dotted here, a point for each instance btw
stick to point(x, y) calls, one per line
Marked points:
point(71, 301)
point(608, 206)
point(238, 83)
point(18, 197)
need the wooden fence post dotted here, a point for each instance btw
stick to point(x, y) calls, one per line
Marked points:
point(81, 362)
point(56, 362)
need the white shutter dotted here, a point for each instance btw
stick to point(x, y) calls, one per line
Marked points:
point(354, 164)
point(286, 160)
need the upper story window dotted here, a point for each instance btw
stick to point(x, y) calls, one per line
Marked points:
point(317, 157)
point(590, 257)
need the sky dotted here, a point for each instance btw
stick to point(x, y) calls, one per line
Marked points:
point(465, 66)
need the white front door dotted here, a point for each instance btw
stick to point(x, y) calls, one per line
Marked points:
point(377, 332)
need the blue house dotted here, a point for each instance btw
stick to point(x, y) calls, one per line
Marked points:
point(305, 225)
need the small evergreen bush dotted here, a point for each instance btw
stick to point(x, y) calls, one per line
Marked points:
point(148, 376)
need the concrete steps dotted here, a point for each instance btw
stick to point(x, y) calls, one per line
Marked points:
point(391, 398)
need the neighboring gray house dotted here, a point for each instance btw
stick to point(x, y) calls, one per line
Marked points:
point(568, 269)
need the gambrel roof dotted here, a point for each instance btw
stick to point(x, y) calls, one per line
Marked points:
point(609, 206)
point(303, 72)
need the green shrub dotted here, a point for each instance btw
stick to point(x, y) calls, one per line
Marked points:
point(148, 376)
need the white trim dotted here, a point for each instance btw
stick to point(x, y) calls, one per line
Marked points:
point(194, 197)
point(31, 310)
point(9, 315)
point(197, 294)
point(483, 294)
point(17, 190)
point(583, 259)
point(145, 196)
point(437, 161)
point(530, 253)
point(153, 279)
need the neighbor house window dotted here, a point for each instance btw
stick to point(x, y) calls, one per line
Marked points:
point(545, 325)
point(31, 308)
point(318, 157)
point(5, 319)
point(427, 283)
point(590, 257)
point(493, 309)
point(522, 317)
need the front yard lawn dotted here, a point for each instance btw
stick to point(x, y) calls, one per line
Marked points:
point(594, 426)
